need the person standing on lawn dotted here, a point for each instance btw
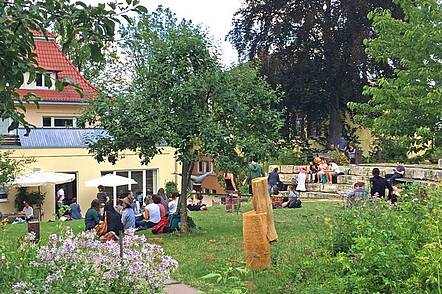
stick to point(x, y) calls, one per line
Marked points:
point(60, 200)
point(101, 197)
point(302, 177)
point(231, 190)
point(254, 170)
point(273, 180)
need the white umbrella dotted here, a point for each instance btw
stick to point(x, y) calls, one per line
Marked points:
point(41, 178)
point(110, 180)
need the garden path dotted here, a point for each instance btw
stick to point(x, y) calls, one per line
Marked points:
point(174, 287)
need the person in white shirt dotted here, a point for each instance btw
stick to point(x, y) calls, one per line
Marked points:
point(28, 211)
point(333, 171)
point(302, 176)
point(151, 215)
point(60, 197)
point(172, 203)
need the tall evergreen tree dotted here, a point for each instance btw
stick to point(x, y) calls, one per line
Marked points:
point(314, 49)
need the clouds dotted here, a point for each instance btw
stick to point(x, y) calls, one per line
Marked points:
point(215, 15)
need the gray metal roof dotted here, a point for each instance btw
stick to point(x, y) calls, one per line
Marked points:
point(59, 138)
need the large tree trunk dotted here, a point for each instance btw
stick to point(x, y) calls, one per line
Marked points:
point(335, 126)
point(186, 172)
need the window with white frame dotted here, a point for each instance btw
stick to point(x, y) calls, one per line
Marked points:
point(146, 181)
point(204, 167)
point(3, 194)
point(44, 80)
point(59, 122)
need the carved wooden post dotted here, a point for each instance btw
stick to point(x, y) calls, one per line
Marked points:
point(263, 204)
point(256, 245)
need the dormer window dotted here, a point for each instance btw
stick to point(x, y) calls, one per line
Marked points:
point(43, 80)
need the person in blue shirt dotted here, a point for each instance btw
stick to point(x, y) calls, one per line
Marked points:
point(92, 218)
point(273, 180)
point(293, 201)
point(75, 209)
point(128, 214)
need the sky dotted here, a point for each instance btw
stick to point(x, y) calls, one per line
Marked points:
point(214, 15)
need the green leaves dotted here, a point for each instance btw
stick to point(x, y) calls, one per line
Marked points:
point(408, 106)
point(181, 95)
point(85, 32)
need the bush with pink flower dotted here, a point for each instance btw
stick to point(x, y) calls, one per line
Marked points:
point(83, 264)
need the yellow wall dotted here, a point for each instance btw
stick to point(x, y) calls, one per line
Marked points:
point(34, 114)
point(78, 160)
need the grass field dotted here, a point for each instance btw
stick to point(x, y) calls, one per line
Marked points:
point(217, 245)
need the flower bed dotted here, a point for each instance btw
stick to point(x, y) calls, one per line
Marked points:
point(82, 264)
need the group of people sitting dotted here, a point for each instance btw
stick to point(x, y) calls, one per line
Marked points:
point(324, 171)
point(158, 213)
point(290, 201)
point(380, 188)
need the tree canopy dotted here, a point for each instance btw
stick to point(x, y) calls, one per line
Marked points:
point(314, 50)
point(20, 20)
point(181, 96)
point(407, 107)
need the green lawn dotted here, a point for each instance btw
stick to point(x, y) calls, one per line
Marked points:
point(217, 244)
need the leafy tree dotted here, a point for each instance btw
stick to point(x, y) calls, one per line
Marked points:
point(314, 50)
point(406, 108)
point(77, 23)
point(10, 167)
point(180, 96)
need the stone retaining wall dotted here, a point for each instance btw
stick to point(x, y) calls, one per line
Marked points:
point(352, 174)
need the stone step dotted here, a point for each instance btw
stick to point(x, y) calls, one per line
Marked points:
point(351, 179)
point(319, 195)
point(418, 173)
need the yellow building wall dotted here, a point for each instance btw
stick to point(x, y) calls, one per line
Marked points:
point(34, 114)
point(80, 161)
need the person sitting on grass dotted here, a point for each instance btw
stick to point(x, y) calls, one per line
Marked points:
point(198, 206)
point(379, 185)
point(173, 203)
point(358, 195)
point(293, 201)
point(113, 218)
point(92, 217)
point(128, 214)
point(75, 210)
point(151, 213)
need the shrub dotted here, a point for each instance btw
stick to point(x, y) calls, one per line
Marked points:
point(289, 156)
point(82, 264)
point(383, 249)
point(339, 157)
point(33, 198)
point(170, 187)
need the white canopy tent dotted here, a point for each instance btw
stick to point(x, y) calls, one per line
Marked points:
point(110, 180)
point(41, 178)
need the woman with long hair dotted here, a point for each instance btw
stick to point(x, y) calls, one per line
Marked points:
point(92, 217)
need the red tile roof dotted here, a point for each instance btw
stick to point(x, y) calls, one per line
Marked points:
point(50, 57)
